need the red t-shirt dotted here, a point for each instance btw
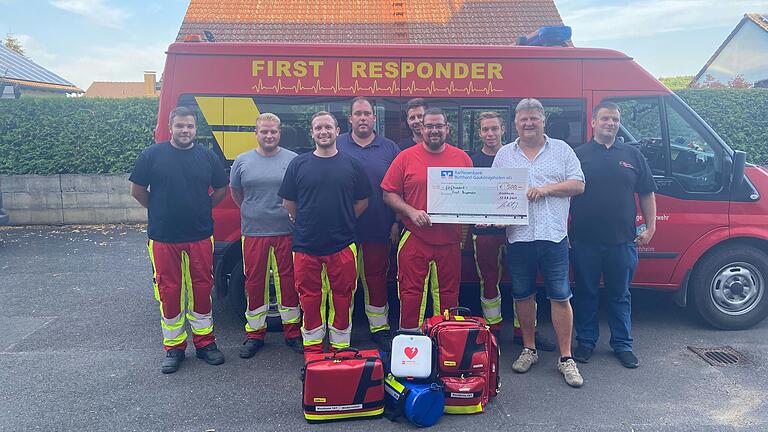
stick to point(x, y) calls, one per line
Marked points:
point(407, 177)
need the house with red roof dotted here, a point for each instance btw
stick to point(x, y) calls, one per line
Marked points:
point(481, 22)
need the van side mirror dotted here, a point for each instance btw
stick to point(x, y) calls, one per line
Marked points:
point(737, 176)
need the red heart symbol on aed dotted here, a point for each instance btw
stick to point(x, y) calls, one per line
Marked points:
point(411, 352)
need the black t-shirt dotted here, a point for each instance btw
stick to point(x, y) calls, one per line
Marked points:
point(325, 190)
point(179, 204)
point(606, 211)
point(482, 160)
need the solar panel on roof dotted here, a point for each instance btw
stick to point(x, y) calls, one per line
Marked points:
point(15, 66)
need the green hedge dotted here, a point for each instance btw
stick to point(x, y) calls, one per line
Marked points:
point(63, 136)
point(68, 135)
point(739, 116)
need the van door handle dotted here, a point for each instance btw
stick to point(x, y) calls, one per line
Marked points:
point(663, 183)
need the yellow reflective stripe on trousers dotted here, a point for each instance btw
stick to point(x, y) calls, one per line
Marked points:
point(378, 317)
point(403, 239)
point(377, 411)
point(491, 309)
point(470, 409)
point(172, 328)
point(288, 314)
point(154, 272)
point(316, 336)
point(201, 324)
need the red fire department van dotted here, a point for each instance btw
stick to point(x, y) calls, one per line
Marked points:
point(711, 245)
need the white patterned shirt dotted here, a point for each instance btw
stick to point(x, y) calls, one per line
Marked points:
point(555, 163)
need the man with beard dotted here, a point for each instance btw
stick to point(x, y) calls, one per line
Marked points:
point(376, 229)
point(172, 180)
point(325, 191)
point(266, 236)
point(603, 236)
point(414, 116)
point(426, 252)
point(554, 175)
point(490, 242)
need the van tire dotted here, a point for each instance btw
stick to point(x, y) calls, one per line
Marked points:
point(236, 302)
point(729, 286)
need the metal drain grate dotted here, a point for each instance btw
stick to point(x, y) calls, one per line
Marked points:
point(721, 356)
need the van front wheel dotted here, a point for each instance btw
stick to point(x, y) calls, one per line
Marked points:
point(729, 287)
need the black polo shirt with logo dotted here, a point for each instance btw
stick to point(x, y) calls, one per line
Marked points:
point(606, 211)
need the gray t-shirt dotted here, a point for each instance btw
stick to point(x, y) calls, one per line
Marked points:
point(262, 213)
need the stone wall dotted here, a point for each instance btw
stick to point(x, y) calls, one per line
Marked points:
point(70, 199)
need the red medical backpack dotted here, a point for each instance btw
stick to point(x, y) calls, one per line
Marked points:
point(467, 360)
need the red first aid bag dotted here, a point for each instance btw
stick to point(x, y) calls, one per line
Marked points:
point(467, 357)
point(465, 394)
point(462, 344)
point(346, 384)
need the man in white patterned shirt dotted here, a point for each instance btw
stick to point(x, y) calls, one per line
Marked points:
point(554, 175)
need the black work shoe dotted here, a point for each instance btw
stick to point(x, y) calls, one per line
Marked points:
point(296, 344)
point(582, 354)
point(383, 340)
point(542, 343)
point(210, 354)
point(628, 359)
point(172, 360)
point(250, 348)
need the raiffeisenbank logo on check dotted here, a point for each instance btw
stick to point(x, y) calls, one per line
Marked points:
point(446, 173)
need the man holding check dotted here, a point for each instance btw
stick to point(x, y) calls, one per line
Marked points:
point(427, 254)
point(554, 175)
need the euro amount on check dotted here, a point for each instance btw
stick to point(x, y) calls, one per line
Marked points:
point(478, 195)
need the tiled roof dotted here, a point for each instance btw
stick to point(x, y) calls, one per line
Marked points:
point(20, 70)
point(106, 89)
point(45, 86)
point(489, 22)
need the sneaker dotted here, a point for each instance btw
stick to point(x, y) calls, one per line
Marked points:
point(211, 354)
point(628, 359)
point(571, 372)
point(527, 359)
point(582, 354)
point(296, 344)
point(542, 343)
point(383, 340)
point(172, 360)
point(251, 347)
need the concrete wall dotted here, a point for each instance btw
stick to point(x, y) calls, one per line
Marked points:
point(70, 199)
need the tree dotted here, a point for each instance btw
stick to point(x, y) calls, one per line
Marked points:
point(711, 82)
point(739, 82)
point(677, 82)
point(13, 43)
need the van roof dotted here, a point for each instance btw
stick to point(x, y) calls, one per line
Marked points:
point(383, 51)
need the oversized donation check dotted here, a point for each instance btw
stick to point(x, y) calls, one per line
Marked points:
point(478, 195)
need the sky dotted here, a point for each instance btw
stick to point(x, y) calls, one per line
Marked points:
point(117, 40)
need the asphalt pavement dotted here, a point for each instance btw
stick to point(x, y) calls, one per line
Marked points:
point(80, 350)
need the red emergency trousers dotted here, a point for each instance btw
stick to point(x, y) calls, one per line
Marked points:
point(490, 250)
point(183, 278)
point(372, 266)
point(260, 255)
point(326, 282)
point(421, 266)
